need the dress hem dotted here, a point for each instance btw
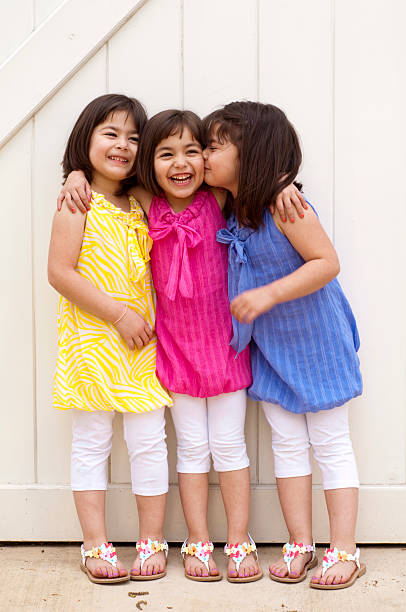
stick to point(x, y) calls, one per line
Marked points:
point(328, 406)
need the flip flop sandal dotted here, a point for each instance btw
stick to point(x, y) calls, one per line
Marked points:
point(147, 548)
point(290, 552)
point(333, 556)
point(238, 552)
point(202, 551)
point(106, 552)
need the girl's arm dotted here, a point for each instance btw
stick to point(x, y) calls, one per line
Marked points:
point(77, 194)
point(64, 250)
point(285, 202)
point(321, 266)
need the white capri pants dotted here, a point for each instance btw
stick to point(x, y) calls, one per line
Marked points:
point(213, 425)
point(144, 433)
point(327, 431)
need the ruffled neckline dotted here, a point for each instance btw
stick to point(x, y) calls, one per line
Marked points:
point(190, 212)
point(135, 207)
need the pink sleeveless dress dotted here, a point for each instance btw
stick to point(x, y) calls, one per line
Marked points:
point(193, 320)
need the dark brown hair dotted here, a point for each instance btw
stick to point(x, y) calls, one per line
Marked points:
point(76, 156)
point(160, 126)
point(269, 153)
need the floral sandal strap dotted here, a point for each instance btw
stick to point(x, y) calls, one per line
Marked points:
point(200, 550)
point(238, 552)
point(105, 551)
point(333, 556)
point(147, 548)
point(291, 551)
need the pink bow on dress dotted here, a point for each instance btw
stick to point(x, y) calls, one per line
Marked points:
point(180, 275)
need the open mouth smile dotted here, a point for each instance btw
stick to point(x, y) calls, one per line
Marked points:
point(117, 158)
point(181, 179)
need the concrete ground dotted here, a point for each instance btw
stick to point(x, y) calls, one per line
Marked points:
point(36, 577)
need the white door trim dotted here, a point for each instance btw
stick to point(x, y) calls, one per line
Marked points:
point(65, 41)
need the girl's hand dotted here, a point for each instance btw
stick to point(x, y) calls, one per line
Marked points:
point(134, 330)
point(76, 192)
point(249, 305)
point(286, 199)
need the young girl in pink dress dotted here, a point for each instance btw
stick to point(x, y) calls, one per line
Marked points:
point(195, 362)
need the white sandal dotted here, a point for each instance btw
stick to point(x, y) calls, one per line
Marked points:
point(202, 551)
point(147, 548)
point(237, 553)
point(290, 552)
point(106, 552)
point(333, 556)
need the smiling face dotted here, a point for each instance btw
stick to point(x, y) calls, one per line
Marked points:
point(179, 168)
point(221, 164)
point(113, 149)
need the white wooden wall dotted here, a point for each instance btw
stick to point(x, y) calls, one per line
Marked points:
point(338, 69)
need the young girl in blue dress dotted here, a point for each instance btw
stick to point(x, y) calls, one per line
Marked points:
point(286, 302)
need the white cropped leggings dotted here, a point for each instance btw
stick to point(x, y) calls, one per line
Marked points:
point(213, 425)
point(327, 431)
point(145, 436)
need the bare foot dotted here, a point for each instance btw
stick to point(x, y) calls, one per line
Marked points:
point(339, 573)
point(156, 564)
point(280, 568)
point(248, 567)
point(102, 569)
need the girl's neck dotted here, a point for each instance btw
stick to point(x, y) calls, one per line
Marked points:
point(178, 205)
point(108, 188)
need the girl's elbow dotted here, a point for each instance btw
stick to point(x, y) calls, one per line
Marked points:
point(54, 277)
point(335, 268)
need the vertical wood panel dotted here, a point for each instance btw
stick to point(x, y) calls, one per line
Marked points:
point(145, 62)
point(145, 56)
point(295, 73)
point(52, 127)
point(17, 459)
point(17, 21)
point(220, 53)
point(370, 220)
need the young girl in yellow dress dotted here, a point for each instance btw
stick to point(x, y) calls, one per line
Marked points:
point(99, 263)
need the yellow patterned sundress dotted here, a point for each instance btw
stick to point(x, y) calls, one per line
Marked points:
point(95, 369)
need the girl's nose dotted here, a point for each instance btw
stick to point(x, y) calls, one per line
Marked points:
point(180, 161)
point(205, 154)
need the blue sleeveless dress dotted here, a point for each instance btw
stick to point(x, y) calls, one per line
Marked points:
point(303, 352)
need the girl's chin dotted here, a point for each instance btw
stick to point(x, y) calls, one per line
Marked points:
point(208, 180)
